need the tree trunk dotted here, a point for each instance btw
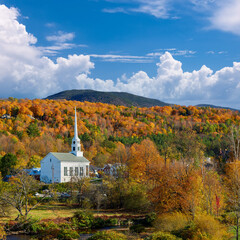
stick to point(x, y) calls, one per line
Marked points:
point(237, 227)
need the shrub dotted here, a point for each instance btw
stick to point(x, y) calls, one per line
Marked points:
point(209, 226)
point(99, 223)
point(162, 236)
point(139, 228)
point(135, 198)
point(83, 219)
point(3, 234)
point(150, 218)
point(171, 222)
point(111, 222)
point(108, 235)
point(67, 234)
point(204, 227)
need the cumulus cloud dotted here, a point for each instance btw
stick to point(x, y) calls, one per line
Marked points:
point(26, 72)
point(174, 85)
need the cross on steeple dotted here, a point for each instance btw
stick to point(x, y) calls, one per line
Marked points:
point(76, 146)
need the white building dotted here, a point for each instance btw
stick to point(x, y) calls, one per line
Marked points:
point(61, 167)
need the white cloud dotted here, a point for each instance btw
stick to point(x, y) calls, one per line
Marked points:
point(173, 51)
point(114, 10)
point(174, 85)
point(26, 72)
point(221, 14)
point(122, 58)
point(156, 8)
point(61, 37)
point(226, 16)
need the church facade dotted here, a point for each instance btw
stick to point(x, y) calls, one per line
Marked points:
point(62, 167)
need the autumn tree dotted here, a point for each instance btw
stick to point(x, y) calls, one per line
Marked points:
point(79, 187)
point(19, 193)
point(143, 158)
point(232, 182)
point(190, 151)
point(235, 141)
point(164, 143)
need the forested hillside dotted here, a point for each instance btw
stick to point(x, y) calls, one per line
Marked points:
point(37, 127)
point(181, 162)
point(116, 98)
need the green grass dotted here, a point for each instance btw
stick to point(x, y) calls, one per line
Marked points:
point(56, 210)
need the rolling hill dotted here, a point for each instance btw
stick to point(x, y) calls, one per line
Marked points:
point(115, 98)
point(213, 106)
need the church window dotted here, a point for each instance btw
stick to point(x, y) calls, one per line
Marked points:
point(87, 170)
point(71, 171)
point(65, 171)
point(81, 171)
point(73, 148)
point(78, 148)
point(76, 171)
point(73, 142)
point(50, 160)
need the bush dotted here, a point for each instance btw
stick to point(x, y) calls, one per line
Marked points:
point(99, 223)
point(209, 226)
point(3, 234)
point(135, 198)
point(67, 234)
point(111, 222)
point(139, 228)
point(150, 218)
point(171, 222)
point(203, 227)
point(83, 219)
point(108, 235)
point(162, 236)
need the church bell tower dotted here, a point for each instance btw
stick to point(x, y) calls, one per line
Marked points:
point(76, 146)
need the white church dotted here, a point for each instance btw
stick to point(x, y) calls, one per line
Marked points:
point(61, 167)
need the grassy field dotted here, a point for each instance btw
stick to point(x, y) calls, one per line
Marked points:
point(52, 211)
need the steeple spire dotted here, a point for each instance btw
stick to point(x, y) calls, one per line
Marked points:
point(76, 146)
point(75, 126)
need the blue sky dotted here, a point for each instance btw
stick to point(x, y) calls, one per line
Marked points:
point(178, 51)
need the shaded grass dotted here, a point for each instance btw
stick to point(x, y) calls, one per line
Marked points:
point(48, 211)
point(56, 210)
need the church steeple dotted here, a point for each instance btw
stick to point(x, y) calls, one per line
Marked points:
point(76, 146)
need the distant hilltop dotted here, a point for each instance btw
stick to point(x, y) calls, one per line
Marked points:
point(213, 106)
point(115, 98)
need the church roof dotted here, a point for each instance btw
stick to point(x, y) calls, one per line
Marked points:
point(68, 157)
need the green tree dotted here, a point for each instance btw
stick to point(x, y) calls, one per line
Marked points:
point(33, 130)
point(7, 163)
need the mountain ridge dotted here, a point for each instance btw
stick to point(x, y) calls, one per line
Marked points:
point(115, 98)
